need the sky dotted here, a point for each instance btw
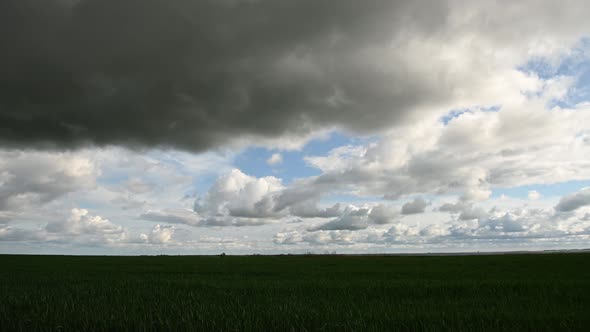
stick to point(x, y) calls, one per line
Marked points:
point(255, 126)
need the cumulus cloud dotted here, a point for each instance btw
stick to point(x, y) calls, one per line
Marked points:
point(29, 178)
point(448, 105)
point(291, 237)
point(340, 237)
point(471, 212)
point(418, 205)
point(198, 74)
point(470, 155)
point(456, 207)
point(239, 195)
point(574, 201)
point(497, 227)
point(275, 159)
point(354, 218)
point(309, 209)
point(383, 214)
point(235, 199)
point(533, 195)
point(81, 222)
point(160, 234)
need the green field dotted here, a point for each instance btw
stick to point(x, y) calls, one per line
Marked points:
point(540, 292)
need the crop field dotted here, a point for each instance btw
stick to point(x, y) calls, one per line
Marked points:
point(532, 292)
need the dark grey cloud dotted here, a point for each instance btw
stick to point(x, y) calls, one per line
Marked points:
point(193, 74)
point(418, 205)
point(383, 214)
point(574, 201)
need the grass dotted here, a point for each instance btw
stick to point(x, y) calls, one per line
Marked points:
point(544, 292)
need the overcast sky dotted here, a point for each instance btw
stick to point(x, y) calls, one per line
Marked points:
point(275, 126)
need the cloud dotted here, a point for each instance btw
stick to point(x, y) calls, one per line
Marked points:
point(172, 216)
point(309, 209)
point(340, 237)
point(8, 233)
point(383, 214)
point(160, 234)
point(457, 207)
point(354, 218)
point(292, 237)
point(499, 227)
point(239, 195)
point(235, 199)
point(350, 221)
point(128, 203)
point(194, 75)
point(471, 155)
point(574, 201)
point(471, 212)
point(275, 159)
point(29, 178)
point(138, 186)
point(533, 195)
point(449, 107)
point(418, 205)
point(81, 222)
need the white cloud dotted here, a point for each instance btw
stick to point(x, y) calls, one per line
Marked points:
point(322, 237)
point(82, 223)
point(275, 159)
point(138, 186)
point(291, 237)
point(173, 216)
point(160, 234)
point(31, 178)
point(475, 153)
point(239, 195)
point(456, 65)
point(235, 199)
point(498, 229)
point(354, 218)
point(533, 195)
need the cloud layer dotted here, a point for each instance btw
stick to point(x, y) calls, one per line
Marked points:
point(387, 124)
point(193, 75)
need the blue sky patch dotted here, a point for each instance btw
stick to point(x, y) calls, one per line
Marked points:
point(253, 161)
point(546, 190)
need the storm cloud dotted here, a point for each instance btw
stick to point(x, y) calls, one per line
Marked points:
point(197, 74)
